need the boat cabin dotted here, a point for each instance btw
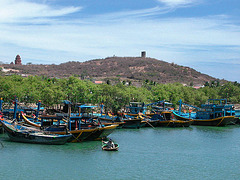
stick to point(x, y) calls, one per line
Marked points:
point(84, 118)
point(135, 108)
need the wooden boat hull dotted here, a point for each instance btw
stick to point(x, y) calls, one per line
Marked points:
point(39, 139)
point(106, 148)
point(152, 123)
point(221, 121)
point(34, 137)
point(102, 132)
point(132, 123)
point(237, 120)
point(89, 134)
point(175, 123)
point(77, 135)
point(167, 120)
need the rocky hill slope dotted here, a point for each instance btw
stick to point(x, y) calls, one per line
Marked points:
point(134, 69)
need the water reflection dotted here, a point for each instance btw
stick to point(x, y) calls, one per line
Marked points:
point(214, 129)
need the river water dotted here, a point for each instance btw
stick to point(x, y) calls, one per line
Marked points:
point(160, 153)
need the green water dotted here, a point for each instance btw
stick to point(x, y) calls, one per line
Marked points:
point(146, 153)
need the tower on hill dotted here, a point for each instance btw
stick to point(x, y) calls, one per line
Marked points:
point(18, 60)
point(143, 54)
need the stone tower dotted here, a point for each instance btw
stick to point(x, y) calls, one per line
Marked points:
point(143, 54)
point(18, 60)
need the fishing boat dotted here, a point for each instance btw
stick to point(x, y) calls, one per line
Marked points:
point(215, 113)
point(19, 133)
point(163, 117)
point(135, 115)
point(123, 120)
point(104, 147)
point(167, 121)
point(110, 120)
point(109, 146)
point(82, 128)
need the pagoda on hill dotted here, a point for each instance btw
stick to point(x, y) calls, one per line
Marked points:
point(18, 60)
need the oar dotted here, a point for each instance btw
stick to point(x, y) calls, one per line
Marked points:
point(102, 142)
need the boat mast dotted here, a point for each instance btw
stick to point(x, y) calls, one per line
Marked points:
point(38, 108)
point(1, 101)
point(15, 108)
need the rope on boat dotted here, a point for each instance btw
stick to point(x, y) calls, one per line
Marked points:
point(220, 121)
point(168, 123)
point(76, 138)
point(233, 123)
point(150, 124)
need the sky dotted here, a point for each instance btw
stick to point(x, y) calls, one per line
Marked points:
point(201, 34)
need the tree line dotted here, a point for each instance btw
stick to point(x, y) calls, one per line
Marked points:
point(52, 91)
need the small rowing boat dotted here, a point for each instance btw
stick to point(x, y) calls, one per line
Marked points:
point(109, 146)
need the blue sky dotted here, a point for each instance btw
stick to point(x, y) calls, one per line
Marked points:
point(201, 34)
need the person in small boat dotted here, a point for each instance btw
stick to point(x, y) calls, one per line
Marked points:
point(110, 144)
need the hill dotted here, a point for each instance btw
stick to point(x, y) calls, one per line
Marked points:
point(134, 69)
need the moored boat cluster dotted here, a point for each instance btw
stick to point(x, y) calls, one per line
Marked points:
point(31, 125)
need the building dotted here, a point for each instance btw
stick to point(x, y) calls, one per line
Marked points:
point(98, 82)
point(18, 60)
point(143, 54)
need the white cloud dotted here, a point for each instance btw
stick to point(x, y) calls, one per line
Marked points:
point(20, 10)
point(116, 16)
point(178, 36)
point(174, 3)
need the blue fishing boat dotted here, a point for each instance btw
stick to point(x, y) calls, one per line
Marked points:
point(122, 120)
point(237, 116)
point(83, 127)
point(20, 133)
point(107, 120)
point(217, 112)
point(161, 115)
